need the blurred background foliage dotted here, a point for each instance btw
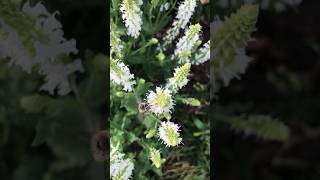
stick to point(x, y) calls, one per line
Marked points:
point(265, 124)
point(46, 136)
point(280, 85)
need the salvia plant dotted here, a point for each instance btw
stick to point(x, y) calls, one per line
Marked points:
point(230, 37)
point(155, 45)
point(159, 92)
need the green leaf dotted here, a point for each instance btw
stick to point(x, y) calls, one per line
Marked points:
point(131, 137)
point(143, 88)
point(130, 103)
point(189, 101)
point(150, 120)
point(64, 132)
point(199, 124)
point(261, 126)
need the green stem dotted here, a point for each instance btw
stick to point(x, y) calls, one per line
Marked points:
point(141, 48)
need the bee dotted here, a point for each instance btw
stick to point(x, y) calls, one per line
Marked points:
point(143, 107)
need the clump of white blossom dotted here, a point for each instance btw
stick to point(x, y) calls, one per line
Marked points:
point(120, 168)
point(186, 43)
point(160, 101)
point(203, 55)
point(131, 15)
point(185, 11)
point(179, 78)
point(116, 46)
point(120, 74)
point(44, 53)
point(169, 133)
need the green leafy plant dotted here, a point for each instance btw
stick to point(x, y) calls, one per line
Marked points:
point(230, 61)
point(151, 87)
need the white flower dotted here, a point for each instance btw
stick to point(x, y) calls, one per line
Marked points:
point(120, 74)
point(155, 157)
point(179, 78)
point(120, 168)
point(203, 55)
point(160, 101)
point(131, 15)
point(115, 41)
point(169, 133)
point(186, 43)
point(115, 155)
point(41, 46)
point(185, 11)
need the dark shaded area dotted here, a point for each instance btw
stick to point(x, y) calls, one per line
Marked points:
point(283, 82)
point(52, 140)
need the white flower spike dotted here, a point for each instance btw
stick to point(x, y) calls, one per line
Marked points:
point(185, 11)
point(179, 78)
point(120, 74)
point(186, 43)
point(155, 157)
point(160, 101)
point(116, 45)
point(131, 15)
point(169, 133)
point(120, 168)
point(203, 55)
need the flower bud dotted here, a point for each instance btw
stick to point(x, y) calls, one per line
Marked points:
point(120, 94)
point(142, 81)
point(33, 103)
point(153, 41)
point(155, 157)
point(161, 56)
point(196, 45)
point(167, 116)
point(151, 133)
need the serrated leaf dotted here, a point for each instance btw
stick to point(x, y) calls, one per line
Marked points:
point(130, 103)
point(150, 120)
point(261, 126)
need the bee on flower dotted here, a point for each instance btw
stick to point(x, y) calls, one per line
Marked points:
point(169, 133)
